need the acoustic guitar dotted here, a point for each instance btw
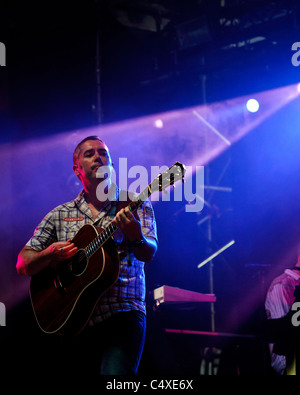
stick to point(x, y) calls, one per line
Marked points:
point(64, 294)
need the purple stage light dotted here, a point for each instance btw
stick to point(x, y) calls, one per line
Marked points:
point(252, 105)
point(159, 124)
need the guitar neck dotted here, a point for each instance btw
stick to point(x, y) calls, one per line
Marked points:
point(161, 182)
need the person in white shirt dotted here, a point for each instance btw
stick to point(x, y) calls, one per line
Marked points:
point(279, 300)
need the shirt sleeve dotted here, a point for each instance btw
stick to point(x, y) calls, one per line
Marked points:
point(277, 302)
point(148, 222)
point(276, 306)
point(44, 234)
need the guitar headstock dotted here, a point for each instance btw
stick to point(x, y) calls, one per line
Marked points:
point(168, 178)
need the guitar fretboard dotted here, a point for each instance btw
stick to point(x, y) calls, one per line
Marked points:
point(110, 229)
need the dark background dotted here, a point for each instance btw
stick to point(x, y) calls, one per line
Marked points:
point(74, 66)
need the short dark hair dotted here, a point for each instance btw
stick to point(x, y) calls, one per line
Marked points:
point(77, 149)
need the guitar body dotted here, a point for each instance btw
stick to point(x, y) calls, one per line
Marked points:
point(64, 294)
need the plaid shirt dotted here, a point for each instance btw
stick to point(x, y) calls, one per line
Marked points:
point(62, 224)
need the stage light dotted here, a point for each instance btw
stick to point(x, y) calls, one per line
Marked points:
point(159, 124)
point(216, 254)
point(252, 105)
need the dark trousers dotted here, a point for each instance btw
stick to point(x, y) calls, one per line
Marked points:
point(112, 347)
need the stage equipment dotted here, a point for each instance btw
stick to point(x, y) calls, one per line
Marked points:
point(167, 294)
point(142, 14)
point(213, 189)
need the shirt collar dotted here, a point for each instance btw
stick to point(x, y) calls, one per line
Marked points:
point(291, 273)
point(82, 205)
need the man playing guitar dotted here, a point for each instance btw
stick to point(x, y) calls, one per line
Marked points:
point(112, 339)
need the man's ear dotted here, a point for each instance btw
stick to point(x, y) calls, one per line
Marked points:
point(75, 170)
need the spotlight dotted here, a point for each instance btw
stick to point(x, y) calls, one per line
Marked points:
point(159, 124)
point(252, 105)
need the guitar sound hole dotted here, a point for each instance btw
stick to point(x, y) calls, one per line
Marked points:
point(79, 263)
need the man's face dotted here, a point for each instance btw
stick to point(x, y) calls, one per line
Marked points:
point(93, 155)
